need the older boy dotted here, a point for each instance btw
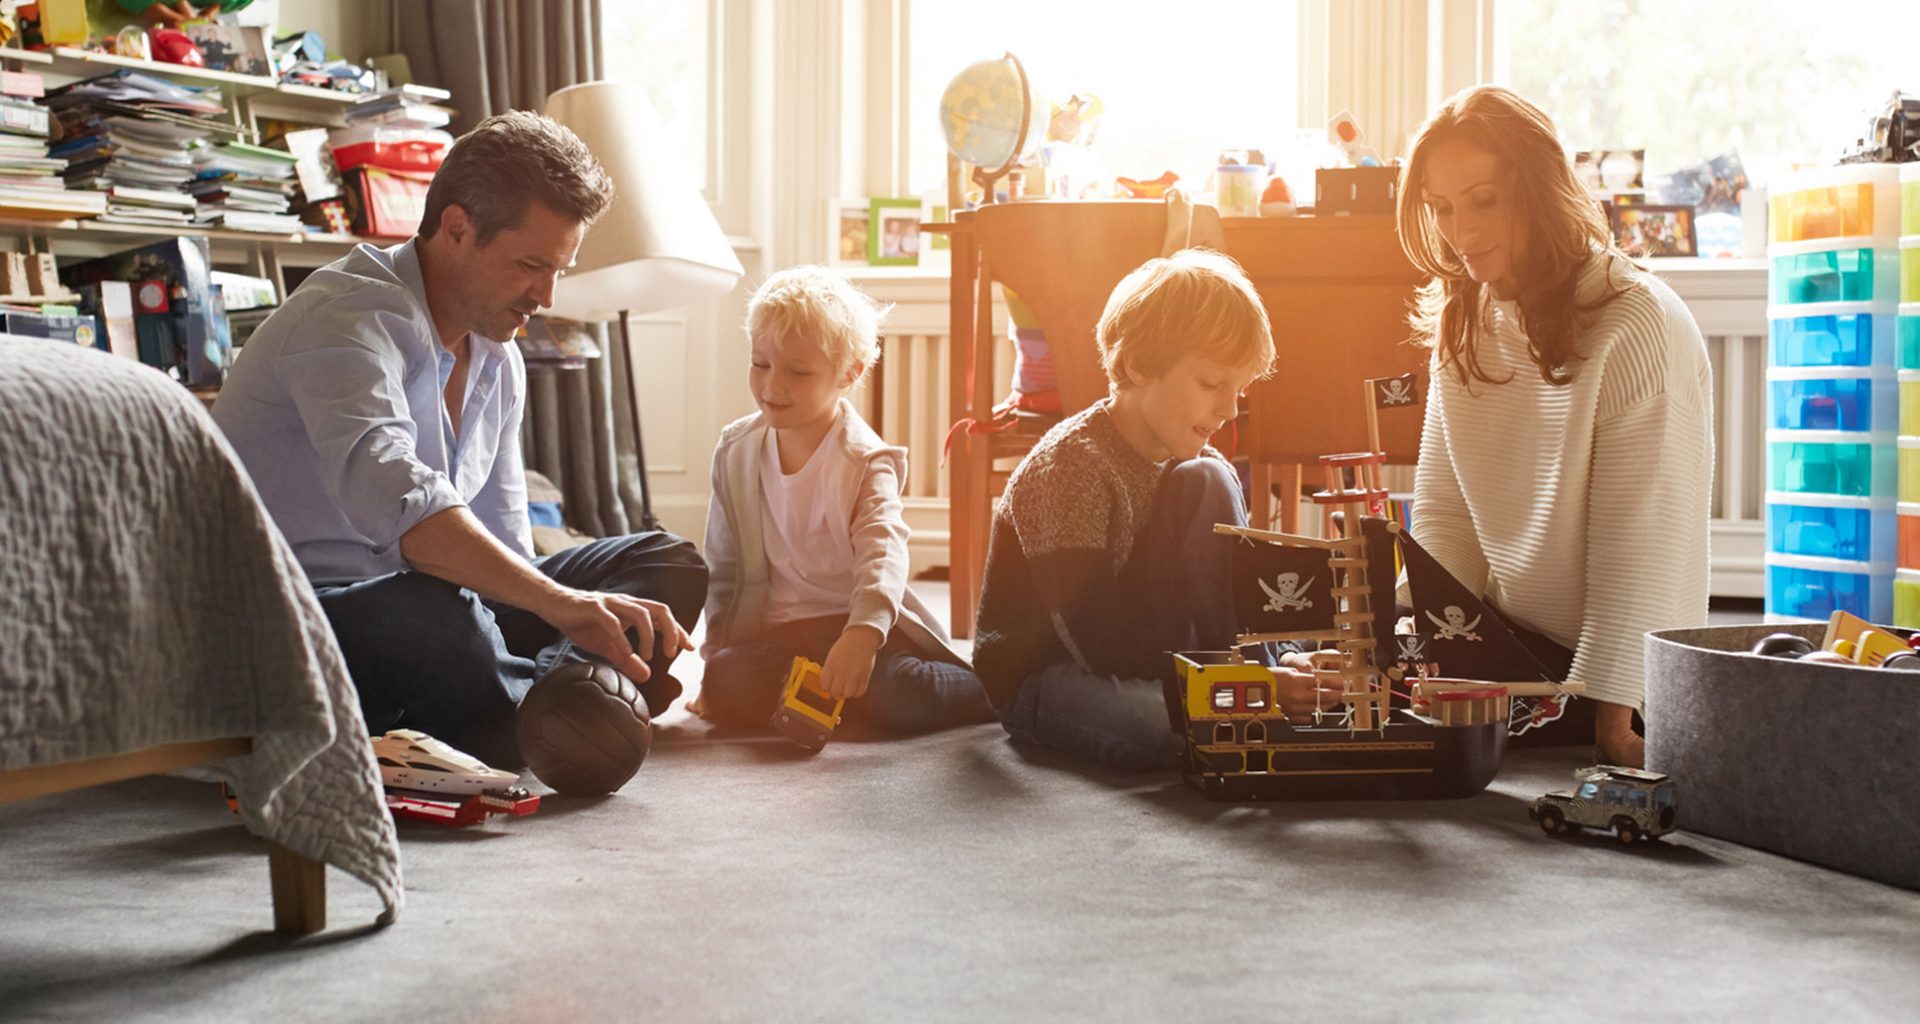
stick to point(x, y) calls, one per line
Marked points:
point(1103, 557)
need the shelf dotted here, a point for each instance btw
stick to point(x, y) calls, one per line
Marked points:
point(73, 62)
point(137, 233)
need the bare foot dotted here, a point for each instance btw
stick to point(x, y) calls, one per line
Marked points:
point(697, 706)
point(1614, 740)
point(1629, 751)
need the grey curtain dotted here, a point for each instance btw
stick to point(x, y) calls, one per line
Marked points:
point(499, 55)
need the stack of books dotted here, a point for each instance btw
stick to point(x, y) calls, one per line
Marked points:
point(30, 182)
point(245, 188)
point(133, 137)
point(403, 106)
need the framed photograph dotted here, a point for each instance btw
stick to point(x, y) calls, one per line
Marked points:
point(893, 236)
point(1654, 230)
point(848, 231)
point(1606, 171)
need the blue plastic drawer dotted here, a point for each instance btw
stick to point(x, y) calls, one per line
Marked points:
point(1825, 468)
point(1800, 590)
point(1833, 339)
point(1832, 404)
point(1833, 275)
point(1853, 534)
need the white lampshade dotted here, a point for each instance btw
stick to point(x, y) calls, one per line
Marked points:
point(657, 247)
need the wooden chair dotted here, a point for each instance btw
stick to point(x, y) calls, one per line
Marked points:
point(1337, 290)
point(1063, 260)
point(299, 884)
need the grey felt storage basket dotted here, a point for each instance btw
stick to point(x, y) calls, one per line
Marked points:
point(1817, 762)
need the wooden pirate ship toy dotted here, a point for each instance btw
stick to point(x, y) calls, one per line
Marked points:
point(1400, 730)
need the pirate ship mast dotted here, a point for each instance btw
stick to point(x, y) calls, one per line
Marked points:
point(1447, 735)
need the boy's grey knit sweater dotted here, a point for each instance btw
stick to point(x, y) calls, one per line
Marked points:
point(1059, 586)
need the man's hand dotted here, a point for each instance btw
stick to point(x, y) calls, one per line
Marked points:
point(599, 624)
point(1298, 691)
point(849, 665)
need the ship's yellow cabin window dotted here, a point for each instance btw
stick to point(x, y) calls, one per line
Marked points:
point(1223, 698)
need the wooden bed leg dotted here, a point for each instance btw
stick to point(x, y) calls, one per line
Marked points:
point(299, 891)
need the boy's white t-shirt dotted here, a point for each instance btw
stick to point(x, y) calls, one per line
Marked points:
point(809, 530)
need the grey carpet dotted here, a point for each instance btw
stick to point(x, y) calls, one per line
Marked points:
point(950, 877)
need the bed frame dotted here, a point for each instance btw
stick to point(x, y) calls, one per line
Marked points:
point(299, 883)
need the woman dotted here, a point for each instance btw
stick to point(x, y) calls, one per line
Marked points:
point(1568, 448)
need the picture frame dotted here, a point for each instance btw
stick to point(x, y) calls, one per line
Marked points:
point(849, 225)
point(1654, 231)
point(1606, 171)
point(893, 233)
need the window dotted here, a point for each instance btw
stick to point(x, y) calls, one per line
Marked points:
point(1223, 698)
point(1256, 697)
point(661, 45)
point(1589, 791)
point(1178, 85)
point(1777, 81)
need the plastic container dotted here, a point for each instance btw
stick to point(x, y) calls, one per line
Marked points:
point(1836, 334)
point(1907, 333)
point(1853, 529)
point(1906, 598)
point(395, 149)
point(1906, 533)
point(1840, 270)
point(1909, 469)
point(1910, 269)
point(1852, 200)
point(1909, 381)
point(1815, 588)
point(1910, 199)
point(1828, 399)
point(1833, 462)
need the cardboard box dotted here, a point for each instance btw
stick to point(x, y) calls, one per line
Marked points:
point(1350, 191)
point(387, 204)
point(13, 275)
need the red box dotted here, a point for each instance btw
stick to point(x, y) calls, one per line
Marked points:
point(387, 204)
point(407, 155)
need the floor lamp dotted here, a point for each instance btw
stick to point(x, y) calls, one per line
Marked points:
point(657, 247)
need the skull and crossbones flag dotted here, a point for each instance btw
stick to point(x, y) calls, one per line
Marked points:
point(1281, 589)
point(1396, 392)
point(1467, 638)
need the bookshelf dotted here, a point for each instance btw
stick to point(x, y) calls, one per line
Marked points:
point(248, 98)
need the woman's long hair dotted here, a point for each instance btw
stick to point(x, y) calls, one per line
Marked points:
point(1563, 224)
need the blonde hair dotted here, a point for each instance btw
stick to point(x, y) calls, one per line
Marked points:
point(1564, 226)
point(822, 307)
point(1195, 302)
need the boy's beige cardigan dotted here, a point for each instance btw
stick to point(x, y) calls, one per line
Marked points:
point(736, 549)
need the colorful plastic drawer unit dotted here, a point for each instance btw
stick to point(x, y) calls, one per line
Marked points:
point(1907, 533)
point(1829, 403)
point(1835, 334)
point(1906, 598)
point(1836, 202)
point(1815, 588)
point(1910, 269)
point(1907, 329)
point(1856, 532)
point(1831, 462)
point(1851, 270)
point(1910, 199)
point(1909, 469)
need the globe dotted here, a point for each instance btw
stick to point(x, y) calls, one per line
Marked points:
point(983, 111)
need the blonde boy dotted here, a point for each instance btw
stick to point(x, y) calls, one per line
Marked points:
point(806, 540)
point(1103, 557)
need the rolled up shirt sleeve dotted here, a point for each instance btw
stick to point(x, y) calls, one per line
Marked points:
point(347, 380)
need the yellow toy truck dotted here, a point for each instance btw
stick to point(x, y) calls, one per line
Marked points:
point(807, 715)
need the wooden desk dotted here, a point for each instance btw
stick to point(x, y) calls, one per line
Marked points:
point(1337, 290)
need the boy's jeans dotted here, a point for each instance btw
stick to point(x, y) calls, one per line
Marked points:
point(1187, 580)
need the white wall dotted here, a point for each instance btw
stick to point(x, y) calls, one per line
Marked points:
point(354, 29)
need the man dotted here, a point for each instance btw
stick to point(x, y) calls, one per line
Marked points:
point(378, 412)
